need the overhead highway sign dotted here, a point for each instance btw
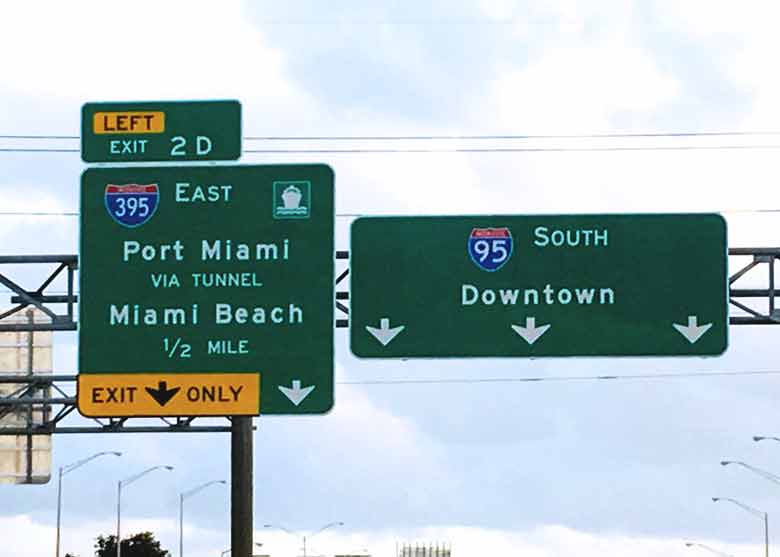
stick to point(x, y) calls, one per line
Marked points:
point(206, 270)
point(541, 285)
point(128, 132)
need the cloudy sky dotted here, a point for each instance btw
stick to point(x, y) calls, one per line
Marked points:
point(537, 469)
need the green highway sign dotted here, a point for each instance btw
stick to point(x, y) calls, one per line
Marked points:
point(532, 286)
point(161, 131)
point(197, 270)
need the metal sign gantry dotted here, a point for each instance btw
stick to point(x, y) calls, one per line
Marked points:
point(760, 259)
point(39, 392)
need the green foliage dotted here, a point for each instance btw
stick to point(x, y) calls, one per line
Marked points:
point(139, 545)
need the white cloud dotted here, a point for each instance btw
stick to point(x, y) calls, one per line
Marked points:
point(179, 48)
point(172, 50)
point(349, 436)
point(742, 40)
point(17, 198)
point(498, 9)
point(32, 234)
point(704, 18)
point(410, 184)
point(23, 537)
point(576, 89)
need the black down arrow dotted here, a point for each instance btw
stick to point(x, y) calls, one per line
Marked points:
point(162, 394)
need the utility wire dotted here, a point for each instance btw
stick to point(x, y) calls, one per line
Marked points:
point(514, 149)
point(37, 214)
point(563, 378)
point(456, 137)
point(505, 137)
point(39, 137)
point(338, 215)
point(360, 150)
point(414, 22)
point(34, 150)
point(76, 213)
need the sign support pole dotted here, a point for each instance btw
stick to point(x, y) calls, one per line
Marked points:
point(30, 372)
point(241, 487)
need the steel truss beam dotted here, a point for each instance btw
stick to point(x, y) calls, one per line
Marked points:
point(738, 297)
point(759, 255)
point(38, 298)
point(343, 295)
point(34, 392)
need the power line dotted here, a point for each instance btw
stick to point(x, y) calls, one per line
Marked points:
point(513, 149)
point(338, 215)
point(76, 213)
point(433, 22)
point(461, 137)
point(369, 151)
point(38, 214)
point(39, 137)
point(514, 137)
point(34, 150)
point(562, 378)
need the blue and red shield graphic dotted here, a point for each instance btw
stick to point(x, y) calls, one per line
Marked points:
point(490, 248)
point(132, 205)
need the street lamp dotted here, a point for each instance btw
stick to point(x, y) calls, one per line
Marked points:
point(763, 473)
point(182, 497)
point(708, 548)
point(758, 438)
point(328, 525)
point(124, 483)
point(756, 512)
point(229, 550)
point(64, 470)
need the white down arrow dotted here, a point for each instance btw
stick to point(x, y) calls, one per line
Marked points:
point(530, 332)
point(296, 394)
point(385, 333)
point(693, 331)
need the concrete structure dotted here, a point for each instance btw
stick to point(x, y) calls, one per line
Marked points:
point(24, 459)
point(424, 550)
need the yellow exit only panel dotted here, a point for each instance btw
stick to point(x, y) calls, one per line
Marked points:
point(168, 394)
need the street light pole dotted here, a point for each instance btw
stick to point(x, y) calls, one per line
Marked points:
point(708, 548)
point(181, 524)
point(761, 514)
point(125, 483)
point(118, 518)
point(758, 438)
point(227, 551)
point(763, 473)
point(182, 497)
point(328, 525)
point(64, 470)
